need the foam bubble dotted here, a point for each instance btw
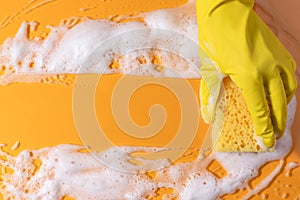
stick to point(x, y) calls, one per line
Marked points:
point(168, 33)
point(65, 170)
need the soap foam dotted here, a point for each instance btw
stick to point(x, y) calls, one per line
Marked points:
point(65, 170)
point(168, 33)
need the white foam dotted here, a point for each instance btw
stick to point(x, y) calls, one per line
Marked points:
point(90, 46)
point(290, 166)
point(265, 182)
point(15, 146)
point(67, 171)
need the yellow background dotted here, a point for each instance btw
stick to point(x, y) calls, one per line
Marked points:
point(40, 115)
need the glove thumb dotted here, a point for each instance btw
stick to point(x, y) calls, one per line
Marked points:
point(210, 85)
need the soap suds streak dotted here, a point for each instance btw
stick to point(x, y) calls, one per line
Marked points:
point(30, 6)
point(66, 49)
point(38, 5)
point(67, 171)
point(290, 167)
point(15, 146)
point(265, 182)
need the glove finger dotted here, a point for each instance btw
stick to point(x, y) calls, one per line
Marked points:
point(254, 94)
point(278, 104)
point(289, 80)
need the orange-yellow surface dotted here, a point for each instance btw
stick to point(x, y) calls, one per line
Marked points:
point(40, 115)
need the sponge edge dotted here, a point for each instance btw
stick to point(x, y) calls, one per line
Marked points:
point(237, 130)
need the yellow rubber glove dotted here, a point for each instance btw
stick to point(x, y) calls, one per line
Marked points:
point(240, 45)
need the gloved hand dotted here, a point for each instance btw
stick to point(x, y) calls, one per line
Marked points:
point(241, 46)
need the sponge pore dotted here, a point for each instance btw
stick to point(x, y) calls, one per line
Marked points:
point(237, 134)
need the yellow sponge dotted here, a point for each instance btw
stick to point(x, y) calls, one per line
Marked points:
point(237, 130)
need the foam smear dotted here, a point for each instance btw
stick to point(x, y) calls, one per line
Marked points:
point(290, 167)
point(65, 170)
point(66, 48)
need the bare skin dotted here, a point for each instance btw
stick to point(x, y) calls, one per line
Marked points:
point(282, 17)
